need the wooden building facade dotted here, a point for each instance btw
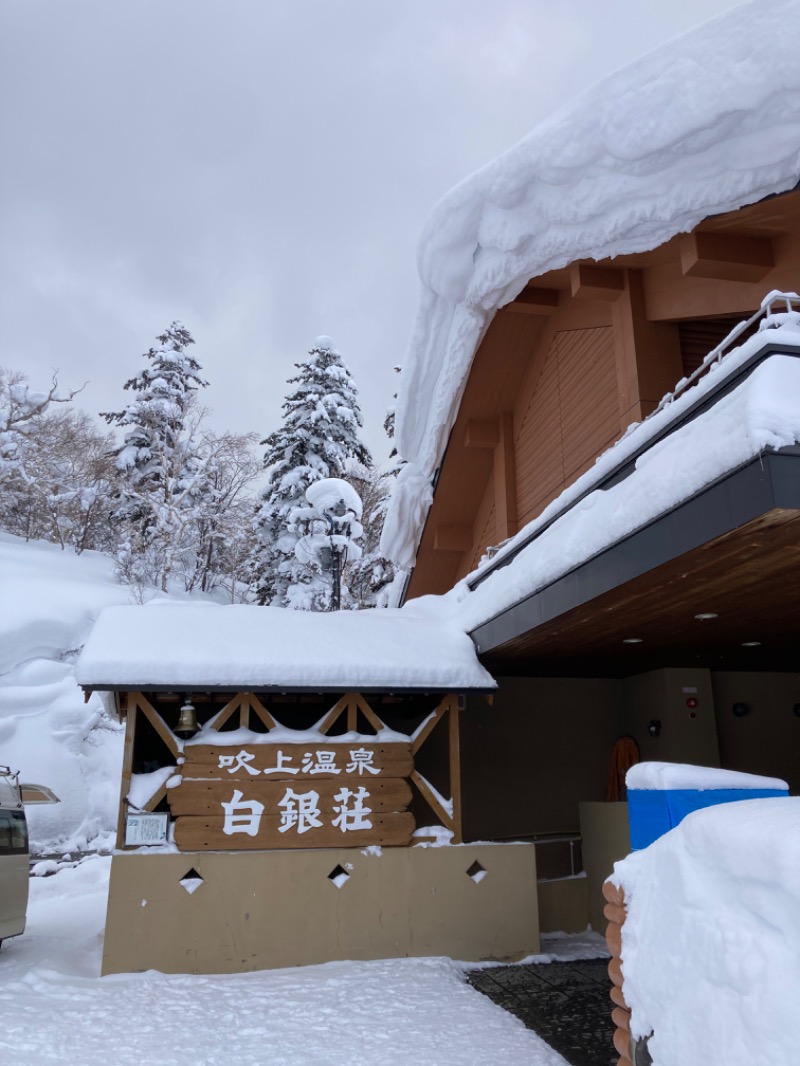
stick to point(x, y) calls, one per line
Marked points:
point(578, 356)
point(682, 636)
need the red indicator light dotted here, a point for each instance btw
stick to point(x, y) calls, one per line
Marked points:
point(691, 702)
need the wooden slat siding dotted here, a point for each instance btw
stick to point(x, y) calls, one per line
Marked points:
point(587, 375)
point(572, 416)
point(206, 797)
point(540, 472)
point(702, 335)
point(198, 833)
point(202, 760)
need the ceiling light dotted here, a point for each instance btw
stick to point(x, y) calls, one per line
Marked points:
point(632, 640)
point(751, 643)
point(705, 616)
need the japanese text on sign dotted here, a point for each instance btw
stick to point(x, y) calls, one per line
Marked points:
point(359, 761)
point(299, 812)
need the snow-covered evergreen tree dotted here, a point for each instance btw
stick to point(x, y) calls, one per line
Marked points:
point(162, 473)
point(321, 420)
point(367, 578)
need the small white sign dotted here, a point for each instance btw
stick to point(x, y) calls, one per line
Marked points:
point(142, 830)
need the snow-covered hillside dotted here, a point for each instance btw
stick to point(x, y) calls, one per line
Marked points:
point(50, 600)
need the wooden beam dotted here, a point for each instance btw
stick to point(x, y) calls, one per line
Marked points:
point(156, 798)
point(425, 791)
point(726, 256)
point(222, 716)
point(333, 714)
point(455, 769)
point(368, 713)
point(482, 433)
point(505, 479)
point(261, 711)
point(429, 725)
point(647, 354)
point(533, 301)
point(452, 538)
point(588, 282)
point(158, 723)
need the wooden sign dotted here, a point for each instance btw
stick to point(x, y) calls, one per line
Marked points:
point(207, 797)
point(198, 834)
point(322, 794)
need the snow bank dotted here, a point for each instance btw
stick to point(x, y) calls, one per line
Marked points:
point(670, 775)
point(50, 601)
point(762, 412)
point(711, 943)
point(706, 124)
point(238, 645)
point(57, 1009)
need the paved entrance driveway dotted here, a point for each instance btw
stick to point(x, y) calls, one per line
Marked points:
point(565, 1003)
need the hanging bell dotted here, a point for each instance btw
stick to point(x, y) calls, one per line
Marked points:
point(187, 721)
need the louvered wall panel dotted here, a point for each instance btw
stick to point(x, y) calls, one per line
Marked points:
point(571, 417)
point(587, 375)
point(539, 461)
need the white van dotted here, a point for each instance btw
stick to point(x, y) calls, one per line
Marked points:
point(14, 860)
point(14, 854)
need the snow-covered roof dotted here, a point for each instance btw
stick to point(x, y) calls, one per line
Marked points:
point(706, 124)
point(207, 645)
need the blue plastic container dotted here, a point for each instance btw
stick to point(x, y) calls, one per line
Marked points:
point(653, 812)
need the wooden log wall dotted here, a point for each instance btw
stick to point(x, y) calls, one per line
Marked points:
point(614, 910)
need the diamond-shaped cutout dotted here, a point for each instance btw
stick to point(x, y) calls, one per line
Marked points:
point(191, 881)
point(476, 872)
point(338, 876)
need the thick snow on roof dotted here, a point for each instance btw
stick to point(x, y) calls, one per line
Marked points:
point(197, 645)
point(706, 124)
point(763, 412)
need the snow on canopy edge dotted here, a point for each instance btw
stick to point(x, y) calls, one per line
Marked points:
point(705, 124)
point(658, 776)
point(242, 646)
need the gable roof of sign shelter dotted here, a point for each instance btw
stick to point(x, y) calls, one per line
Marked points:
point(207, 646)
point(702, 126)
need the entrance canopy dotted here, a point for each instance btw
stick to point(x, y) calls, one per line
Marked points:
point(680, 548)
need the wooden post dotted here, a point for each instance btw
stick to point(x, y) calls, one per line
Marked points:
point(455, 769)
point(127, 769)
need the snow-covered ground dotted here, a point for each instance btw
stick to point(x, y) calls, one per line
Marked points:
point(50, 600)
point(57, 1009)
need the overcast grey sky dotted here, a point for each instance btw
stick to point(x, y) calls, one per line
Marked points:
point(261, 170)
